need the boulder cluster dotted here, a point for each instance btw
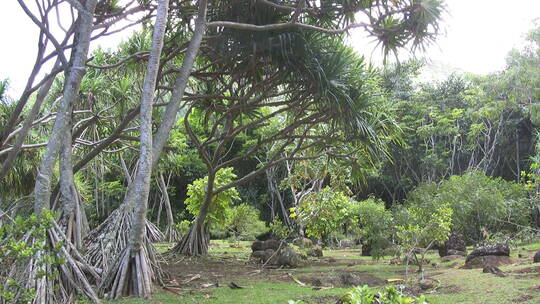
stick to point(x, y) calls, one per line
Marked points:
point(275, 252)
point(488, 256)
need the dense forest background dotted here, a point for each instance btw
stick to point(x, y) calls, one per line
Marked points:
point(238, 121)
point(465, 123)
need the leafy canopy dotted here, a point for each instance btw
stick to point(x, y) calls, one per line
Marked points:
point(221, 202)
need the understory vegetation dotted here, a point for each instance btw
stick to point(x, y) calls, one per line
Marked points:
point(124, 171)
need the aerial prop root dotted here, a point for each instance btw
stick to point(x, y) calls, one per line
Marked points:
point(53, 282)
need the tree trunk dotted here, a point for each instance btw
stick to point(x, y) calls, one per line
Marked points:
point(195, 242)
point(169, 116)
point(73, 218)
point(115, 232)
point(59, 289)
point(132, 273)
point(171, 234)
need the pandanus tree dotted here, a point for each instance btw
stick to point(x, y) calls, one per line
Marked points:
point(268, 65)
point(30, 272)
point(131, 272)
point(117, 227)
point(276, 65)
point(37, 279)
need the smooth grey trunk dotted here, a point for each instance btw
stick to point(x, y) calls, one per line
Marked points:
point(144, 170)
point(170, 230)
point(110, 226)
point(170, 114)
point(56, 289)
point(73, 218)
point(275, 194)
point(134, 259)
point(75, 73)
point(169, 118)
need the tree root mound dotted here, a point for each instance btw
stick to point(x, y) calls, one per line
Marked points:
point(52, 283)
point(110, 238)
point(194, 243)
point(131, 275)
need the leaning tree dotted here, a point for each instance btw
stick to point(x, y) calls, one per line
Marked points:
point(71, 276)
point(280, 63)
point(265, 51)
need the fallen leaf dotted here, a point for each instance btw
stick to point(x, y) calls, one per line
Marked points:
point(193, 278)
point(209, 285)
point(296, 280)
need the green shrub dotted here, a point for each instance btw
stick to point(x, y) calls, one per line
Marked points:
point(478, 202)
point(278, 229)
point(373, 223)
point(183, 227)
point(366, 295)
point(243, 222)
point(21, 241)
point(422, 228)
point(390, 295)
point(221, 202)
point(323, 212)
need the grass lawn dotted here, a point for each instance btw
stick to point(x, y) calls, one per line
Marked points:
point(228, 262)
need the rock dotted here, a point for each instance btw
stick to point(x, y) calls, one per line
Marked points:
point(536, 258)
point(270, 254)
point(266, 236)
point(456, 252)
point(258, 255)
point(303, 242)
point(268, 244)
point(257, 246)
point(315, 252)
point(412, 261)
point(487, 260)
point(264, 255)
point(272, 244)
point(494, 270)
point(490, 250)
point(426, 284)
point(454, 242)
point(418, 250)
point(449, 258)
point(288, 257)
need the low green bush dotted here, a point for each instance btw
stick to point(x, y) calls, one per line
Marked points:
point(481, 205)
point(390, 295)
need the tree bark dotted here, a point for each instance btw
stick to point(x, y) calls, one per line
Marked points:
point(171, 235)
point(42, 189)
point(134, 259)
point(195, 243)
point(59, 289)
point(171, 112)
point(168, 120)
point(73, 218)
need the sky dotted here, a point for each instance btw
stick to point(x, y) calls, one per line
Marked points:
point(478, 35)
